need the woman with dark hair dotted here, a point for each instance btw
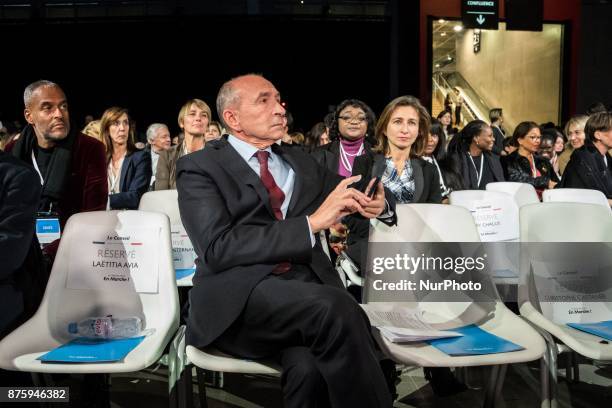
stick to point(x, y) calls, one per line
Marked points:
point(446, 119)
point(471, 155)
point(524, 166)
point(591, 165)
point(129, 170)
point(350, 130)
point(435, 153)
point(317, 136)
point(547, 148)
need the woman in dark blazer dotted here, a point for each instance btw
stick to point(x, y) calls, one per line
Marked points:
point(524, 165)
point(129, 170)
point(401, 133)
point(351, 134)
point(591, 165)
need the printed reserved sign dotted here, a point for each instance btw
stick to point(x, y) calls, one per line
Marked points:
point(106, 258)
point(183, 255)
point(492, 223)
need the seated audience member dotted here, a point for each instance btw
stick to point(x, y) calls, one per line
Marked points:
point(213, 131)
point(446, 119)
point(574, 131)
point(560, 141)
point(591, 165)
point(401, 134)
point(129, 169)
point(497, 119)
point(158, 138)
point(351, 129)
point(547, 148)
point(251, 208)
point(70, 165)
point(524, 166)
point(19, 249)
point(317, 136)
point(4, 136)
point(509, 148)
point(297, 138)
point(93, 129)
point(470, 153)
point(193, 119)
point(435, 153)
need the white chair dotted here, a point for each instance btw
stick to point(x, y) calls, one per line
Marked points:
point(446, 223)
point(497, 218)
point(561, 222)
point(47, 329)
point(523, 193)
point(166, 202)
point(576, 195)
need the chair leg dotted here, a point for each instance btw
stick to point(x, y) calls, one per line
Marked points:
point(489, 401)
point(201, 376)
point(553, 376)
point(501, 377)
point(545, 381)
point(576, 366)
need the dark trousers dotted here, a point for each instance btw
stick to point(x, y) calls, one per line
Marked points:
point(322, 336)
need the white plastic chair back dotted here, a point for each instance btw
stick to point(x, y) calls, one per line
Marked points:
point(522, 193)
point(496, 214)
point(166, 202)
point(576, 195)
point(60, 306)
point(563, 223)
point(434, 223)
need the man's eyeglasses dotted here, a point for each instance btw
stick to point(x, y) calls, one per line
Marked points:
point(358, 119)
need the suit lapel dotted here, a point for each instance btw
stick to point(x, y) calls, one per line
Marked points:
point(304, 188)
point(417, 169)
point(229, 158)
point(127, 163)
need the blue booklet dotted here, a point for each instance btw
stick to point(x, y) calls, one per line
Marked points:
point(182, 273)
point(474, 341)
point(83, 350)
point(601, 329)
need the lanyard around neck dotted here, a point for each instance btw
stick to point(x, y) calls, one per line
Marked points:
point(42, 181)
point(478, 173)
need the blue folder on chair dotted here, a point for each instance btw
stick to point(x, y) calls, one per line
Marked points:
point(82, 350)
point(474, 341)
point(601, 329)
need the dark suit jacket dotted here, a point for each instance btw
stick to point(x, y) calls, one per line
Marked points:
point(586, 169)
point(498, 146)
point(518, 169)
point(135, 177)
point(328, 155)
point(427, 190)
point(492, 161)
point(226, 211)
point(19, 196)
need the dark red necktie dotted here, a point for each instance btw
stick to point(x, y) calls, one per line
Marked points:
point(276, 198)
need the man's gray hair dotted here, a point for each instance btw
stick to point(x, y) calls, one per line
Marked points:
point(227, 96)
point(152, 131)
point(30, 89)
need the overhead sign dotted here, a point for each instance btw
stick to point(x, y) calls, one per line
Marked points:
point(480, 14)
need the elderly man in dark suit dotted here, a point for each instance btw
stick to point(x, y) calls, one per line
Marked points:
point(264, 286)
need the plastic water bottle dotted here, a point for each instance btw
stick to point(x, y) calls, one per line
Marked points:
point(107, 327)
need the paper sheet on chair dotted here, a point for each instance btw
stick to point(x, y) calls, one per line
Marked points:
point(115, 258)
point(183, 255)
point(491, 221)
point(403, 325)
point(572, 292)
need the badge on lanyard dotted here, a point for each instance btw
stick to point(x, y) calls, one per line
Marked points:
point(47, 228)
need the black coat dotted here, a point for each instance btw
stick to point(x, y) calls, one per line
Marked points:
point(461, 164)
point(226, 211)
point(427, 190)
point(19, 196)
point(587, 169)
point(518, 169)
point(328, 155)
point(135, 177)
